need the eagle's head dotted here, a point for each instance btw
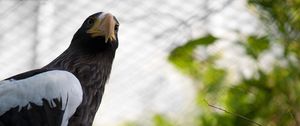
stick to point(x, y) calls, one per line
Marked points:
point(98, 32)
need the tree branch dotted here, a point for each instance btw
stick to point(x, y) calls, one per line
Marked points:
point(231, 113)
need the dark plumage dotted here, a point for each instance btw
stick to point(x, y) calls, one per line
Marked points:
point(89, 58)
point(37, 116)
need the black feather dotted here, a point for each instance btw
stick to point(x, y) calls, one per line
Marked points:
point(45, 115)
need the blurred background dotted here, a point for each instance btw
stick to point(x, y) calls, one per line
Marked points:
point(179, 63)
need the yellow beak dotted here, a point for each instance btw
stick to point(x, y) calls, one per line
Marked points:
point(104, 26)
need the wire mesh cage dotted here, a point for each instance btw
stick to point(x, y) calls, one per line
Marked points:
point(34, 32)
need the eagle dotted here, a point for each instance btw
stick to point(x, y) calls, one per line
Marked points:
point(67, 91)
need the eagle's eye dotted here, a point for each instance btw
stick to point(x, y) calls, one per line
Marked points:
point(116, 28)
point(90, 21)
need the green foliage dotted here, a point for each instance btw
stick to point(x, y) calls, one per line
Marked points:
point(212, 77)
point(256, 45)
point(157, 120)
point(183, 56)
point(160, 120)
point(282, 19)
point(268, 98)
point(284, 14)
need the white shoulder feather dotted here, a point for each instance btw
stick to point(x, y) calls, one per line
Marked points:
point(47, 85)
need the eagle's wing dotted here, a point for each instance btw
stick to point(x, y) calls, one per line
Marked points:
point(39, 98)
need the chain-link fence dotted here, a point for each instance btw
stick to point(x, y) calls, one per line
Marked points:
point(34, 32)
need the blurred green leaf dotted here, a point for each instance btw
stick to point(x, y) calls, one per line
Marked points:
point(256, 45)
point(129, 123)
point(160, 120)
point(212, 77)
point(183, 58)
point(294, 48)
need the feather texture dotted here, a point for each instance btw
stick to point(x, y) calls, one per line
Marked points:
point(47, 87)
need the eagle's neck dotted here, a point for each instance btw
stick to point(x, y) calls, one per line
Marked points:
point(92, 70)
